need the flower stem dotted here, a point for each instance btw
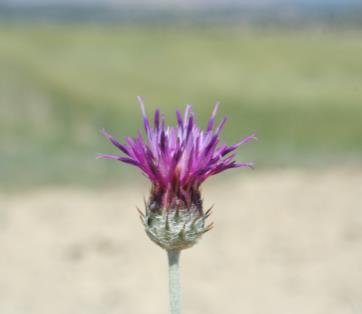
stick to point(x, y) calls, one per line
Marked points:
point(174, 281)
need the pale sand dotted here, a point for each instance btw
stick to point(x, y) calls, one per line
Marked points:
point(287, 242)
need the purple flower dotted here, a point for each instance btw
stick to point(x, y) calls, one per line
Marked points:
point(177, 159)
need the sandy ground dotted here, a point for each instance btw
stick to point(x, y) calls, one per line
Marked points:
point(284, 242)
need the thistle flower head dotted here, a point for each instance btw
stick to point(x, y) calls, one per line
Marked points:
point(177, 160)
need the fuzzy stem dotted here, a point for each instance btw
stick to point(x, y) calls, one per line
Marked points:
point(174, 281)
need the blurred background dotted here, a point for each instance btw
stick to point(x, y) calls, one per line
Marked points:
point(288, 235)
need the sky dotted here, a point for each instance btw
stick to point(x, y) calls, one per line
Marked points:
point(185, 2)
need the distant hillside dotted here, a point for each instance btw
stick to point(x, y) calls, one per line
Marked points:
point(303, 14)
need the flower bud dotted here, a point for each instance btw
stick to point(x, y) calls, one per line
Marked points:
point(175, 229)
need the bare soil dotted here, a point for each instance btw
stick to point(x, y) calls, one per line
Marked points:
point(284, 242)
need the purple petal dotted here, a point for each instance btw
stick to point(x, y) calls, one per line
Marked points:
point(163, 121)
point(157, 119)
point(145, 118)
point(115, 142)
point(189, 126)
point(212, 118)
point(163, 141)
point(244, 164)
point(211, 145)
point(179, 119)
point(235, 146)
point(221, 125)
point(119, 158)
point(187, 112)
point(107, 156)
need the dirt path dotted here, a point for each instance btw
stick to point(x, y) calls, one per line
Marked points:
point(287, 242)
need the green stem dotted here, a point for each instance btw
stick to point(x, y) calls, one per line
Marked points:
point(174, 281)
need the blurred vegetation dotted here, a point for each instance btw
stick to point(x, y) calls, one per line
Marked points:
point(59, 85)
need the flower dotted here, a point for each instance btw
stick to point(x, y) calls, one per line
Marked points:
point(177, 160)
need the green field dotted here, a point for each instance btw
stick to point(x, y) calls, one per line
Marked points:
point(59, 85)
